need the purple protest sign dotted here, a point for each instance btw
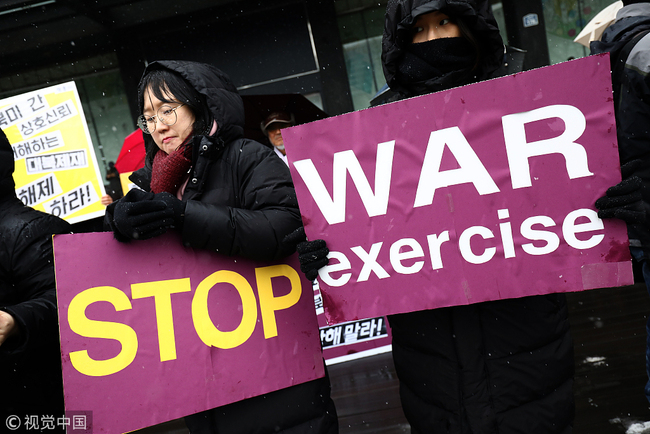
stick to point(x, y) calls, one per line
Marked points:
point(477, 193)
point(151, 331)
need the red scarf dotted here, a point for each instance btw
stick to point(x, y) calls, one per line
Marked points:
point(169, 171)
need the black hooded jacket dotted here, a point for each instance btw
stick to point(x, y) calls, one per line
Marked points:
point(240, 196)
point(488, 368)
point(30, 362)
point(631, 80)
point(476, 15)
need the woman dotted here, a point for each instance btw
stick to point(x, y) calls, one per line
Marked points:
point(496, 367)
point(222, 193)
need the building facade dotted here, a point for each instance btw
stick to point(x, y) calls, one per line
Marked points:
point(327, 50)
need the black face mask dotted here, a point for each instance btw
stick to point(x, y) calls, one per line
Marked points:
point(424, 61)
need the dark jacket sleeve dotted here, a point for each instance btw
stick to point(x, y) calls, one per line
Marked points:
point(262, 206)
point(634, 104)
point(33, 276)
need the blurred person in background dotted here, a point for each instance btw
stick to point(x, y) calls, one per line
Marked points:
point(272, 128)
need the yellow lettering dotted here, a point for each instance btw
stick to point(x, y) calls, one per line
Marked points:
point(161, 291)
point(204, 326)
point(270, 304)
point(83, 326)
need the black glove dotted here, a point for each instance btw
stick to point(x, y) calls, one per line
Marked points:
point(176, 205)
point(141, 215)
point(626, 200)
point(133, 195)
point(311, 254)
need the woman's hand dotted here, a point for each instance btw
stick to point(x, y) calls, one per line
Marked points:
point(140, 215)
point(106, 200)
point(8, 326)
point(626, 200)
point(311, 254)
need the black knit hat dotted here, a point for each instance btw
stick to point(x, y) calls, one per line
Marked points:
point(6, 166)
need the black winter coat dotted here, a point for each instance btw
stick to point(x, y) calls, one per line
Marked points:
point(240, 196)
point(240, 201)
point(30, 363)
point(631, 85)
point(497, 367)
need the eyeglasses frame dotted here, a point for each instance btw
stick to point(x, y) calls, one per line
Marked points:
point(156, 118)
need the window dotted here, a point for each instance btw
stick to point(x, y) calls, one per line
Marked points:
point(361, 25)
point(564, 20)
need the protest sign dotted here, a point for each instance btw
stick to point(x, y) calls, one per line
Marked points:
point(477, 193)
point(152, 331)
point(56, 167)
point(351, 340)
point(125, 182)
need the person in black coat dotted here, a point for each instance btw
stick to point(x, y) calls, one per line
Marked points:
point(495, 367)
point(30, 358)
point(222, 193)
point(628, 42)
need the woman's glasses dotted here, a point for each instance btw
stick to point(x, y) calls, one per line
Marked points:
point(166, 114)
